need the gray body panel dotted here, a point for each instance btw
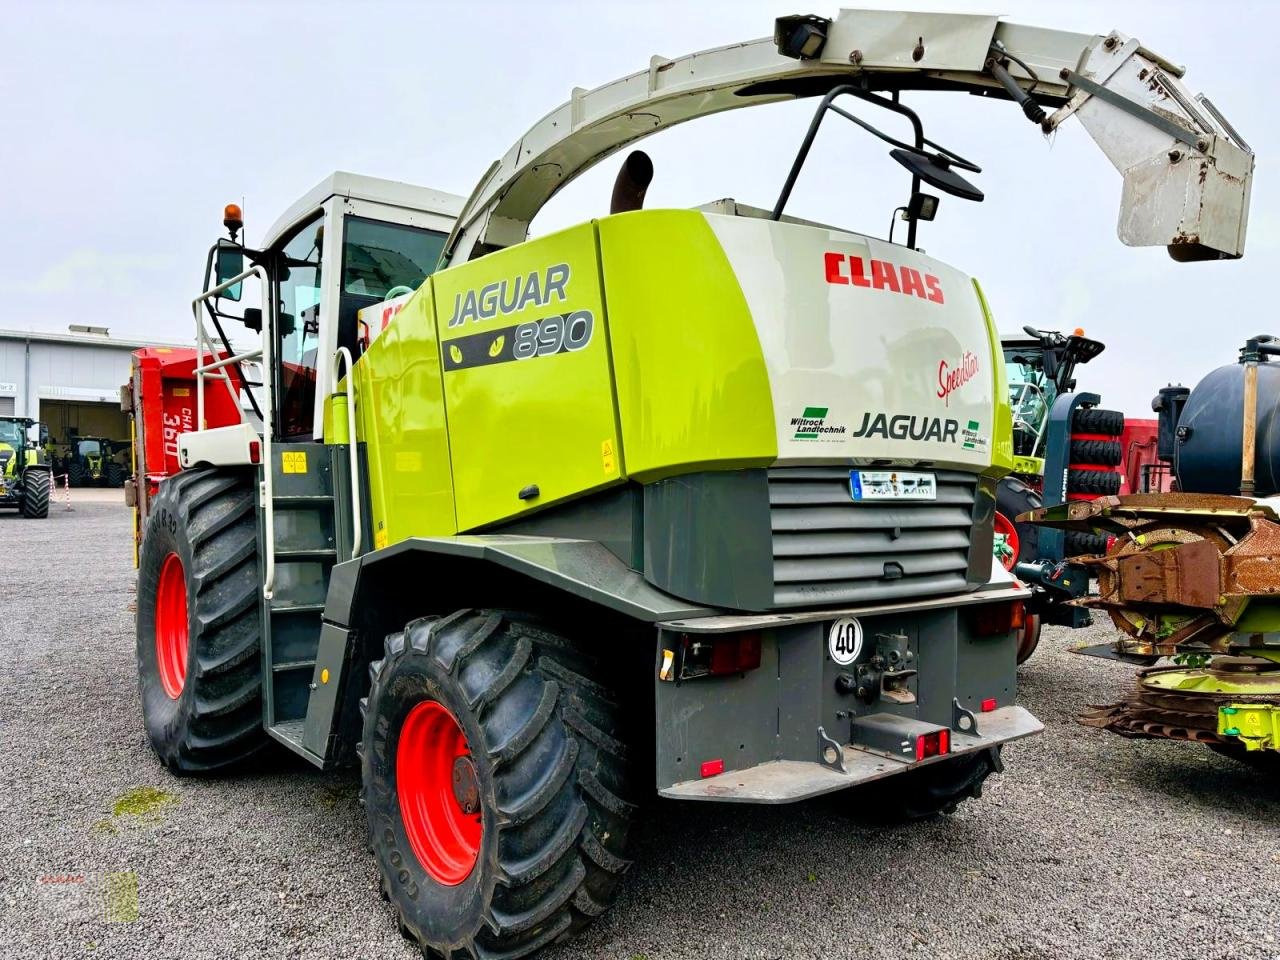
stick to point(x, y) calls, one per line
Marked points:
point(774, 714)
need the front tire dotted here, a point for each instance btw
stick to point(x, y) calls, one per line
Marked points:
point(35, 494)
point(524, 841)
point(199, 622)
point(1013, 498)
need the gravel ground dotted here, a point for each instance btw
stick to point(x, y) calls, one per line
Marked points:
point(1088, 846)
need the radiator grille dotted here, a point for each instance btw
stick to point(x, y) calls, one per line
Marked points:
point(831, 549)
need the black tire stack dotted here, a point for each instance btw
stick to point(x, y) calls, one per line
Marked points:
point(1092, 472)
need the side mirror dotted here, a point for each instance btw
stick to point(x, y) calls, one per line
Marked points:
point(230, 263)
point(936, 171)
point(253, 318)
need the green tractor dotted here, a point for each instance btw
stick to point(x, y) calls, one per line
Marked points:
point(96, 462)
point(25, 472)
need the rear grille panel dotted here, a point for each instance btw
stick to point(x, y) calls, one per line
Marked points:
point(830, 549)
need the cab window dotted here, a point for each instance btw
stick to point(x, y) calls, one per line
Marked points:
point(379, 261)
point(298, 278)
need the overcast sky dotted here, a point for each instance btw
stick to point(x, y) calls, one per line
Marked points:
point(129, 125)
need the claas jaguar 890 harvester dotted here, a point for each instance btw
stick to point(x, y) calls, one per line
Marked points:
point(689, 501)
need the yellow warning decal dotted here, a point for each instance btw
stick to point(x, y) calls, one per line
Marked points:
point(182, 391)
point(380, 539)
point(607, 459)
point(293, 461)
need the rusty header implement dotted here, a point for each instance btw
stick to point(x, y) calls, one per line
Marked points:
point(1187, 173)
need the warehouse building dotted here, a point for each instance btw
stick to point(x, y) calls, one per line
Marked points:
point(69, 381)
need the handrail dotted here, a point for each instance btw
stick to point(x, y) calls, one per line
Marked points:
point(353, 457)
point(203, 341)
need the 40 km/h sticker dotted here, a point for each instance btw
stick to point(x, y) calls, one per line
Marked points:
point(845, 641)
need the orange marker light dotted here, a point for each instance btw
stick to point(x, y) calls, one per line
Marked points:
point(1078, 331)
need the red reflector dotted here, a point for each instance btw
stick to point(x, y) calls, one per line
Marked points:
point(988, 704)
point(711, 768)
point(933, 744)
point(996, 618)
point(735, 653)
point(255, 451)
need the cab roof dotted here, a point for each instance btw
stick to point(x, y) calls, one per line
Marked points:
point(358, 187)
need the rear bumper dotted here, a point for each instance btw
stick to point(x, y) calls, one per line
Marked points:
point(785, 781)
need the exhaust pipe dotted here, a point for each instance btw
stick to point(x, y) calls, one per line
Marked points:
point(634, 177)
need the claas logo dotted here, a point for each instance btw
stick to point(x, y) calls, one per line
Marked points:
point(845, 269)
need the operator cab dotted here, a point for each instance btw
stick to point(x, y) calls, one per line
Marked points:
point(385, 239)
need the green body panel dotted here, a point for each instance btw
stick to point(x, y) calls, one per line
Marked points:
point(400, 410)
point(1002, 433)
point(622, 349)
point(1256, 725)
point(546, 421)
point(692, 387)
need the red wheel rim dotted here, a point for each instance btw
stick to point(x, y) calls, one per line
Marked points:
point(171, 626)
point(1005, 527)
point(435, 784)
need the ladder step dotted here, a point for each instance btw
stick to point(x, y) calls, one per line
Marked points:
point(294, 501)
point(319, 553)
point(292, 665)
point(298, 608)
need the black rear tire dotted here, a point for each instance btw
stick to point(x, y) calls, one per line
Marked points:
point(553, 783)
point(1105, 453)
point(1104, 482)
point(75, 474)
point(1109, 423)
point(207, 518)
point(35, 494)
point(926, 792)
point(1014, 497)
point(114, 475)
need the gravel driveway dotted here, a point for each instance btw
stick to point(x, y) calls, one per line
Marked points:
point(1088, 846)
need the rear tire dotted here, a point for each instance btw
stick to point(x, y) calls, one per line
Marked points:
point(75, 475)
point(200, 678)
point(926, 792)
point(1108, 423)
point(114, 474)
point(542, 772)
point(35, 494)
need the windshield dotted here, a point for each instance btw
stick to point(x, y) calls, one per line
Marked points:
point(88, 448)
point(380, 257)
point(11, 433)
point(1031, 394)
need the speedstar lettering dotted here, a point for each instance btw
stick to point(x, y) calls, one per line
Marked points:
point(904, 427)
point(951, 379)
point(848, 270)
point(538, 289)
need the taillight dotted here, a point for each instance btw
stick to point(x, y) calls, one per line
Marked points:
point(716, 655)
point(255, 451)
point(933, 744)
point(988, 704)
point(711, 768)
point(990, 619)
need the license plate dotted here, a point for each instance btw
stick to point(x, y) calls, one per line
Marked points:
point(892, 485)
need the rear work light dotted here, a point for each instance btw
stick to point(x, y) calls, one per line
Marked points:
point(990, 619)
point(934, 744)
